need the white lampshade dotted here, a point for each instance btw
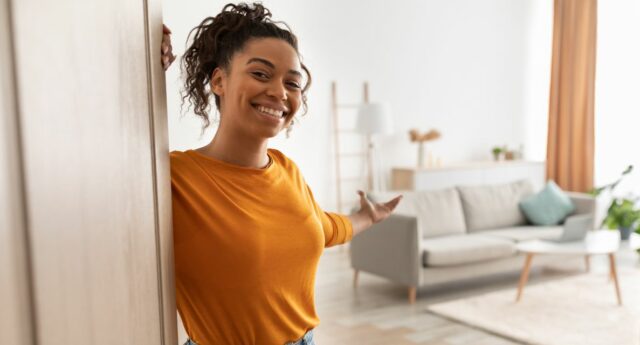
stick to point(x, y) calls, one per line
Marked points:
point(374, 118)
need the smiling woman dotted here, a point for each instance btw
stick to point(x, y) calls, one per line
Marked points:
point(217, 39)
point(248, 232)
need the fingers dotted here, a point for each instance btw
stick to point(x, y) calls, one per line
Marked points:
point(363, 198)
point(166, 49)
point(391, 204)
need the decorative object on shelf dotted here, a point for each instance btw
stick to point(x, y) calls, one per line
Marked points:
point(509, 155)
point(373, 119)
point(622, 213)
point(496, 151)
point(421, 139)
point(520, 152)
point(503, 152)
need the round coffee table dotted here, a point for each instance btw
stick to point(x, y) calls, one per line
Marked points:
point(599, 242)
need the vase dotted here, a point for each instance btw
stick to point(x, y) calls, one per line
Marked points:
point(625, 233)
point(421, 161)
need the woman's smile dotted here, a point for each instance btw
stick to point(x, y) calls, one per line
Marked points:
point(277, 113)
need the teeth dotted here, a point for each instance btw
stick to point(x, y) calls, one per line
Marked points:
point(269, 111)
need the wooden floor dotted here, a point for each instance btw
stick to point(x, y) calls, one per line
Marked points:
point(378, 313)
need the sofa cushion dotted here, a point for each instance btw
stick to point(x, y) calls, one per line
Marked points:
point(439, 212)
point(494, 206)
point(526, 233)
point(550, 206)
point(463, 249)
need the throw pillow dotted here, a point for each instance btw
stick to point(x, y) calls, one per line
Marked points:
point(550, 206)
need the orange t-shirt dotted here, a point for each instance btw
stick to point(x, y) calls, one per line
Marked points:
point(247, 244)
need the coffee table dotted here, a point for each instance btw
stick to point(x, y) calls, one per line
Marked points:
point(599, 242)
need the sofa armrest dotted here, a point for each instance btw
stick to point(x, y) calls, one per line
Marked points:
point(389, 249)
point(585, 203)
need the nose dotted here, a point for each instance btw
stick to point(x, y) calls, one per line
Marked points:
point(277, 90)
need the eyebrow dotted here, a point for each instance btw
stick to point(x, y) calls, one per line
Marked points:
point(270, 64)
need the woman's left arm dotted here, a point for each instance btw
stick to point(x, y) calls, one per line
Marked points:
point(371, 213)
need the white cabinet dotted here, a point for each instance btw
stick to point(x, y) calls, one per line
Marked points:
point(472, 173)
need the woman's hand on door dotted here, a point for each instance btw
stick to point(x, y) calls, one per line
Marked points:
point(166, 50)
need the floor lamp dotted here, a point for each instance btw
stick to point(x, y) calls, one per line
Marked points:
point(373, 119)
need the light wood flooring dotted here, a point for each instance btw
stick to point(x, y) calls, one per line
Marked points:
point(377, 312)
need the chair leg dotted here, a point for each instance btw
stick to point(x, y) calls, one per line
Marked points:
point(587, 263)
point(412, 294)
point(355, 278)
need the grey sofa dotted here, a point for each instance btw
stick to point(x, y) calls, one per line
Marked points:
point(441, 236)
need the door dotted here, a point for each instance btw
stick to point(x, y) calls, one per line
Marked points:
point(88, 203)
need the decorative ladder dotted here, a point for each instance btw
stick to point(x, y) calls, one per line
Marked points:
point(339, 155)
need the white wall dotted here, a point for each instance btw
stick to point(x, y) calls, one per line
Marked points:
point(537, 78)
point(472, 69)
point(618, 93)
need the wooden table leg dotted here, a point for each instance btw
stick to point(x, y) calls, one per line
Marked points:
point(587, 262)
point(614, 276)
point(524, 276)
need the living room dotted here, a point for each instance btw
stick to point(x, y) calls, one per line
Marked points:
point(489, 77)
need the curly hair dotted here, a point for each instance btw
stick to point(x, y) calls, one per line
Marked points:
point(216, 40)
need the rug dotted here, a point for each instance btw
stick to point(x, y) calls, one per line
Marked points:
point(580, 310)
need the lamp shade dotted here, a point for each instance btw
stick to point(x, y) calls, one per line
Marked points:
point(374, 118)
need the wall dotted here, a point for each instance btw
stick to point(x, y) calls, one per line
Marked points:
point(468, 68)
point(618, 93)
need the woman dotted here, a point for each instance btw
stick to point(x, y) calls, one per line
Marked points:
point(248, 233)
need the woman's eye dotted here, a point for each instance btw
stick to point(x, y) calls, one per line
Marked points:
point(260, 75)
point(294, 85)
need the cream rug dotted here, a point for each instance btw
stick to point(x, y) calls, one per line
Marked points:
point(579, 310)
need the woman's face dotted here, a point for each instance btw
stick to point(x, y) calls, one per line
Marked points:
point(262, 90)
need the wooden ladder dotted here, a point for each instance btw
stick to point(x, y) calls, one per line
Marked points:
point(341, 180)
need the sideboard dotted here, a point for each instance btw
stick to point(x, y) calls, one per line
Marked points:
point(470, 173)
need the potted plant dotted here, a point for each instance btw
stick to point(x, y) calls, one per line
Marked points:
point(622, 213)
point(496, 152)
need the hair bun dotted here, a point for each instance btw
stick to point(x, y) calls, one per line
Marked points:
point(256, 11)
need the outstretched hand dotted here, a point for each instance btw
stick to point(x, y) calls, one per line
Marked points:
point(166, 50)
point(377, 211)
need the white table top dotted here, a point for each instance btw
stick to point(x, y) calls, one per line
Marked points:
point(596, 242)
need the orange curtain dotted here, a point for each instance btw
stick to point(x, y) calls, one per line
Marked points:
point(570, 141)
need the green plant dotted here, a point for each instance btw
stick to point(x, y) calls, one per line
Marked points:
point(496, 150)
point(622, 212)
point(611, 186)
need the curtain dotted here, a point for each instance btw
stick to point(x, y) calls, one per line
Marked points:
point(570, 141)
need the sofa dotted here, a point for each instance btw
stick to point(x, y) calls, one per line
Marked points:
point(442, 236)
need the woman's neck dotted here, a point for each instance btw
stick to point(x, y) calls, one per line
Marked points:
point(234, 148)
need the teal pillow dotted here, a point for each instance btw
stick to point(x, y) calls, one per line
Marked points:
point(550, 206)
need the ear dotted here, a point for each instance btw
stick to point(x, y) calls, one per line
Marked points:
point(217, 77)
